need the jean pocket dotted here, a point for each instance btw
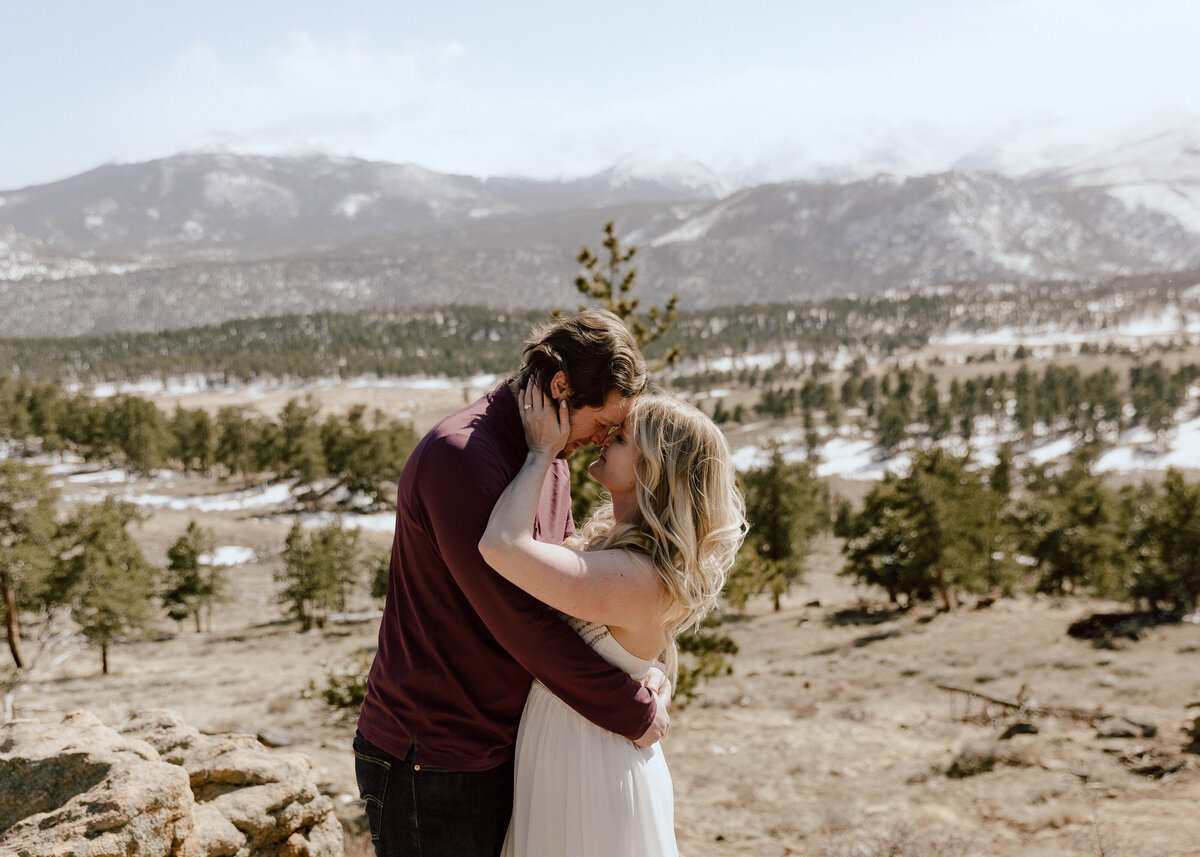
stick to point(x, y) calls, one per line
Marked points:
point(372, 772)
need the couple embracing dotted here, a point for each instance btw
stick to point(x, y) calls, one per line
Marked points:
point(491, 586)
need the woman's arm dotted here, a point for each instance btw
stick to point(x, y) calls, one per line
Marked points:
point(613, 587)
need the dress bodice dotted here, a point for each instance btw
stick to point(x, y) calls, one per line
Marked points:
point(600, 638)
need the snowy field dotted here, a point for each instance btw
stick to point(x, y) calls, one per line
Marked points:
point(846, 453)
point(853, 456)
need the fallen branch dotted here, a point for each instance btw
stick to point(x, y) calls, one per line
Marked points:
point(1022, 707)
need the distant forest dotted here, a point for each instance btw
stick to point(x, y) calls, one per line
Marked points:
point(459, 341)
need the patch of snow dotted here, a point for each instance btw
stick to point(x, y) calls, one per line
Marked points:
point(182, 385)
point(246, 194)
point(351, 204)
point(1140, 453)
point(852, 458)
point(693, 229)
point(228, 555)
point(1168, 322)
point(380, 522)
point(254, 498)
point(1180, 201)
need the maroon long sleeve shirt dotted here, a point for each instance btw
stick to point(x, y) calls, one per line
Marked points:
point(458, 643)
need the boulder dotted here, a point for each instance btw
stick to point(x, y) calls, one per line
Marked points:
point(79, 788)
point(156, 787)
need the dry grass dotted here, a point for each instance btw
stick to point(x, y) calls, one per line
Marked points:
point(830, 738)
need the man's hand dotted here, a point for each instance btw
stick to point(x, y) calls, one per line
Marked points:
point(658, 683)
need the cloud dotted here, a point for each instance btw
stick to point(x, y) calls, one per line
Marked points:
point(303, 89)
point(908, 86)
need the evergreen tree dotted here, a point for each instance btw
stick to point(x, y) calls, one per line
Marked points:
point(1071, 525)
point(379, 575)
point(708, 652)
point(234, 446)
point(191, 584)
point(317, 570)
point(786, 507)
point(1001, 478)
point(109, 582)
point(299, 442)
point(609, 282)
point(27, 501)
point(932, 531)
point(1103, 406)
point(137, 430)
point(936, 419)
point(192, 439)
point(1155, 397)
point(1025, 402)
point(720, 416)
point(1166, 547)
point(366, 459)
point(891, 424)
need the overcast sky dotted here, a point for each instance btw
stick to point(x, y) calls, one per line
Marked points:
point(756, 89)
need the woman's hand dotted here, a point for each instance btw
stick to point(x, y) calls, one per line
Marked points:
point(547, 427)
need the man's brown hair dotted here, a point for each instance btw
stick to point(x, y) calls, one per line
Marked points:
point(596, 352)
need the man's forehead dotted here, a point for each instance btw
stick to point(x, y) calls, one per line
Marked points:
point(614, 411)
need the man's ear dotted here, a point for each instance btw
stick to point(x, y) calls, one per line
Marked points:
point(558, 385)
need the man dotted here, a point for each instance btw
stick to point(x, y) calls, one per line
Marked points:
point(458, 644)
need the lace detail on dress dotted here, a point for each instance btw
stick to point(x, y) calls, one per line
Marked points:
point(591, 633)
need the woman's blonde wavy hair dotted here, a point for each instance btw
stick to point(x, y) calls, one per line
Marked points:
point(690, 518)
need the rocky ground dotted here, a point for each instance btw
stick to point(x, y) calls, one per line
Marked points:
point(833, 734)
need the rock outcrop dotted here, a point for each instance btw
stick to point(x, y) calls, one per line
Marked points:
point(156, 788)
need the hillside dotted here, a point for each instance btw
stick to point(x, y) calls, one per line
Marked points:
point(207, 237)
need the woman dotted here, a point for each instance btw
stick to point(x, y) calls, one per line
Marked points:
point(648, 565)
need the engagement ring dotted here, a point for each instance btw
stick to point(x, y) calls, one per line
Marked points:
point(528, 407)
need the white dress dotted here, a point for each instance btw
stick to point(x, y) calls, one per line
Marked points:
point(581, 791)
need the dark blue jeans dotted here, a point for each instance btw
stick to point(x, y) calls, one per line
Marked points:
point(418, 811)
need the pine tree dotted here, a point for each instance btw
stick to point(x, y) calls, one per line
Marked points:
point(109, 582)
point(1166, 543)
point(609, 282)
point(932, 531)
point(137, 429)
point(191, 584)
point(932, 414)
point(891, 425)
point(786, 507)
point(364, 458)
point(192, 439)
point(234, 446)
point(27, 501)
point(317, 571)
point(1155, 397)
point(1071, 525)
point(299, 442)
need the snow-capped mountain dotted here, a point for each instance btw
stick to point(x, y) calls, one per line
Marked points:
point(1160, 173)
point(222, 205)
point(219, 235)
point(688, 178)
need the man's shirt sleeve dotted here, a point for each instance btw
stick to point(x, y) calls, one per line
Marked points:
point(458, 490)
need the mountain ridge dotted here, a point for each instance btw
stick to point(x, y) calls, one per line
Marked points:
point(202, 235)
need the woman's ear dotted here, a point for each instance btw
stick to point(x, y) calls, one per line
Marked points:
point(558, 385)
